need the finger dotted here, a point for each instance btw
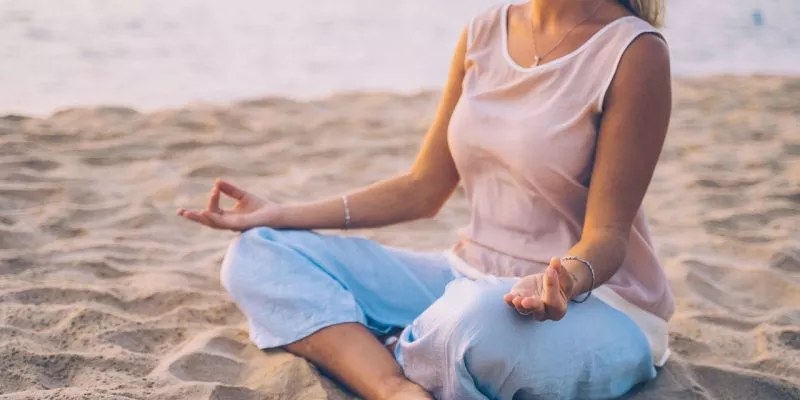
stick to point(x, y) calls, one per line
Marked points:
point(517, 303)
point(214, 219)
point(234, 222)
point(555, 262)
point(509, 298)
point(529, 302)
point(196, 217)
point(556, 306)
point(213, 201)
point(563, 273)
point(557, 311)
point(535, 305)
point(230, 190)
point(534, 312)
point(552, 290)
point(530, 306)
point(185, 213)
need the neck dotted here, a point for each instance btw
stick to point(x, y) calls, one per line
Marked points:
point(545, 13)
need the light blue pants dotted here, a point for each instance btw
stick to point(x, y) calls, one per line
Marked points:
point(461, 341)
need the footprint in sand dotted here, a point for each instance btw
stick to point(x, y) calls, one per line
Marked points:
point(732, 384)
point(790, 338)
point(15, 265)
point(206, 368)
point(29, 193)
point(149, 341)
point(34, 164)
point(234, 393)
point(748, 291)
point(787, 259)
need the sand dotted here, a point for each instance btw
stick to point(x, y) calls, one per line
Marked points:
point(105, 294)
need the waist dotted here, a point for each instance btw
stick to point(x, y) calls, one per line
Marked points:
point(493, 261)
point(504, 252)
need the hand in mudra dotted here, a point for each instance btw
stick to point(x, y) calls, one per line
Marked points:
point(545, 295)
point(248, 212)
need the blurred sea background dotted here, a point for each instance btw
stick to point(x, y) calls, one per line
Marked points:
point(151, 54)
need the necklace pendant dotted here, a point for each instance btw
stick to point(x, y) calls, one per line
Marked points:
point(536, 61)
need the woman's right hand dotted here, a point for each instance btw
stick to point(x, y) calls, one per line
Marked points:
point(249, 211)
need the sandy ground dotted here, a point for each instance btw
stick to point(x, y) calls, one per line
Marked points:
point(104, 293)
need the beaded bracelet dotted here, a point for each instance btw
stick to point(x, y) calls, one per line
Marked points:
point(591, 272)
point(346, 212)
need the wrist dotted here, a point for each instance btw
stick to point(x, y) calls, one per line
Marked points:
point(279, 219)
point(581, 277)
point(575, 289)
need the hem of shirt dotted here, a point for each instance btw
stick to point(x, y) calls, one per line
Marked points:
point(655, 329)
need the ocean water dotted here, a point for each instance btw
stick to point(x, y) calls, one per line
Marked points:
point(151, 54)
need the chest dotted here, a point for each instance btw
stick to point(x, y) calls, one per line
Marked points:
point(534, 128)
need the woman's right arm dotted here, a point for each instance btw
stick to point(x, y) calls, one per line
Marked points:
point(418, 193)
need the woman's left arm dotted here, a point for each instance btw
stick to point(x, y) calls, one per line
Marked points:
point(637, 107)
point(635, 119)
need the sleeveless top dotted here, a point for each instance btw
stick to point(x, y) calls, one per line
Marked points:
point(523, 141)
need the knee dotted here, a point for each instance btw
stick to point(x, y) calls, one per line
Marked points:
point(483, 325)
point(491, 342)
point(247, 256)
point(484, 315)
point(472, 325)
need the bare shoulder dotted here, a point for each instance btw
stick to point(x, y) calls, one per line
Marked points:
point(643, 76)
point(648, 54)
point(642, 84)
point(649, 46)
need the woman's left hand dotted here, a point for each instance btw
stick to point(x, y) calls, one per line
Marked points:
point(545, 295)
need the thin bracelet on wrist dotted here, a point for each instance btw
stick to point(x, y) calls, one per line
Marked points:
point(591, 274)
point(347, 218)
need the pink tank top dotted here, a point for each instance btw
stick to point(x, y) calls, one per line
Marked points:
point(523, 141)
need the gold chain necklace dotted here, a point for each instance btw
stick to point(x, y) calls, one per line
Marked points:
point(538, 58)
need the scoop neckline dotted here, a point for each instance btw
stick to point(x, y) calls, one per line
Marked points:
point(560, 60)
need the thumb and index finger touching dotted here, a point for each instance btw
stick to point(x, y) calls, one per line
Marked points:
point(213, 212)
point(229, 189)
point(211, 216)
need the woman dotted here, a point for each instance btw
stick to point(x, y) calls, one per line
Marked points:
point(553, 118)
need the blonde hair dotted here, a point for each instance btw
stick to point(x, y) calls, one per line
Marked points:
point(651, 11)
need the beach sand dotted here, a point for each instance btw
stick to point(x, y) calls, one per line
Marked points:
point(106, 294)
